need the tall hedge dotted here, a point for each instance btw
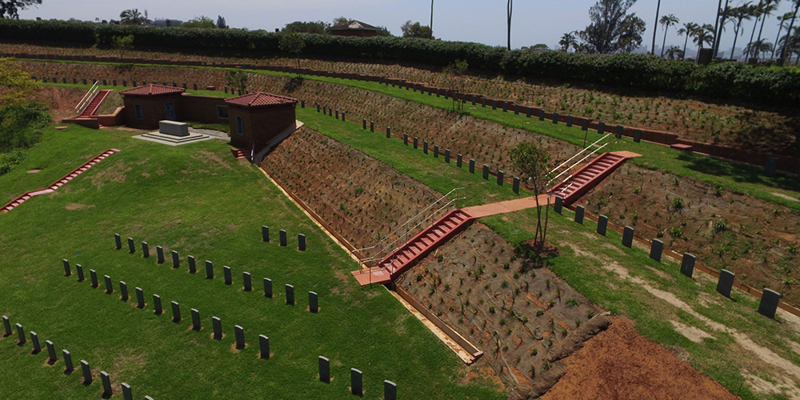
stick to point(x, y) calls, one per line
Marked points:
point(764, 85)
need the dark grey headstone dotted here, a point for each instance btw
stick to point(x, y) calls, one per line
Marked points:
point(6, 326)
point(131, 246)
point(602, 225)
point(725, 283)
point(176, 262)
point(500, 179)
point(267, 287)
point(79, 268)
point(263, 345)
point(301, 242)
point(139, 298)
point(194, 86)
point(363, 123)
point(769, 303)
point(247, 282)
point(176, 312)
point(656, 248)
point(239, 336)
point(473, 99)
point(771, 165)
point(51, 351)
point(601, 127)
point(579, 211)
point(471, 165)
point(416, 142)
point(160, 254)
point(209, 270)
point(516, 109)
point(485, 171)
point(196, 324)
point(505, 106)
point(324, 369)
point(494, 104)
point(93, 275)
point(117, 241)
point(264, 233)
point(405, 139)
point(35, 341)
point(687, 264)
point(585, 124)
point(217, 324)
point(67, 271)
point(109, 285)
point(447, 155)
point(371, 126)
point(389, 390)
point(127, 394)
point(436, 151)
point(425, 147)
point(87, 372)
point(627, 237)
point(290, 295)
point(555, 118)
point(123, 290)
point(569, 121)
point(356, 377)
point(459, 160)
point(528, 113)
point(618, 133)
point(192, 265)
point(106, 383)
point(388, 132)
point(67, 360)
point(515, 186)
point(283, 237)
point(541, 115)
point(313, 302)
point(337, 114)
point(157, 304)
point(226, 273)
point(637, 135)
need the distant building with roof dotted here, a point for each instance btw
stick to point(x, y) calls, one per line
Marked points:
point(354, 28)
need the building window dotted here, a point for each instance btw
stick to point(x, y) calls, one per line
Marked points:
point(222, 112)
point(239, 125)
point(137, 110)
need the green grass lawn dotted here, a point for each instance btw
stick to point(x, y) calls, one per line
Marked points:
point(198, 200)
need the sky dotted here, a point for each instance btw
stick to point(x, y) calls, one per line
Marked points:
point(533, 22)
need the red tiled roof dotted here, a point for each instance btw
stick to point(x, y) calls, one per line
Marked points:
point(353, 25)
point(260, 99)
point(152, 90)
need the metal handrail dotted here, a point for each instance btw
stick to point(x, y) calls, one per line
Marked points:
point(580, 161)
point(87, 98)
point(407, 222)
point(573, 157)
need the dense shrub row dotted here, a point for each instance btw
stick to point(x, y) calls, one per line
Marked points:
point(20, 129)
point(726, 80)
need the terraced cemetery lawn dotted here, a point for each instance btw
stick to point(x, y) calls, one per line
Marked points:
point(197, 200)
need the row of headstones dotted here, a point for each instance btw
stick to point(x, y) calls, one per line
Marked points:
point(769, 299)
point(67, 356)
point(356, 380)
point(301, 239)
point(447, 155)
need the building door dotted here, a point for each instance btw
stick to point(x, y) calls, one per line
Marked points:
point(169, 111)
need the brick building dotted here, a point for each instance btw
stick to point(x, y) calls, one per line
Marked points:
point(148, 104)
point(259, 121)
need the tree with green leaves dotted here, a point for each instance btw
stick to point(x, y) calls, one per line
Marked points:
point(533, 163)
point(755, 49)
point(18, 84)
point(667, 21)
point(416, 30)
point(317, 27)
point(688, 31)
point(292, 42)
point(768, 7)
point(568, 40)
point(221, 24)
point(11, 8)
point(201, 22)
point(737, 15)
point(675, 53)
point(122, 44)
point(703, 35)
point(455, 70)
point(786, 43)
point(132, 17)
point(237, 79)
point(632, 28)
point(781, 22)
point(610, 22)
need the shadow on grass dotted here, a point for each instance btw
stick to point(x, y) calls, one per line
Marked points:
point(738, 172)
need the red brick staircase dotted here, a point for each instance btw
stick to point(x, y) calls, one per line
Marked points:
point(415, 249)
point(237, 153)
point(93, 105)
point(577, 184)
point(57, 184)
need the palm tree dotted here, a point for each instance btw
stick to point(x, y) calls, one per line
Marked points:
point(767, 9)
point(755, 11)
point(131, 17)
point(667, 21)
point(568, 40)
point(687, 30)
point(723, 15)
point(653, 47)
point(758, 47)
point(704, 35)
point(791, 43)
point(509, 8)
point(738, 14)
point(674, 52)
point(431, 18)
point(782, 19)
point(791, 24)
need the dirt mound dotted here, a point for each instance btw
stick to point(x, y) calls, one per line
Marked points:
point(575, 339)
point(622, 364)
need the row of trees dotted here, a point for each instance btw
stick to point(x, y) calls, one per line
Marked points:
point(134, 17)
point(323, 28)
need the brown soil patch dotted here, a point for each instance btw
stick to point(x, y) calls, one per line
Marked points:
point(694, 334)
point(622, 364)
point(61, 101)
point(78, 206)
point(115, 173)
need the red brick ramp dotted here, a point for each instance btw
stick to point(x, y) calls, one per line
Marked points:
point(57, 184)
point(415, 249)
point(577, 184)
